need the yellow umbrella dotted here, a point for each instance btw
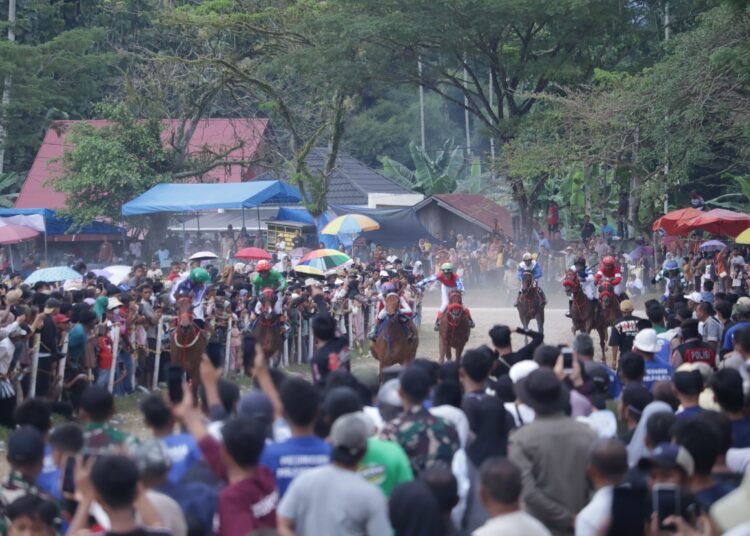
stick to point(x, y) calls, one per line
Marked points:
point(743, 237)
point(350, 224)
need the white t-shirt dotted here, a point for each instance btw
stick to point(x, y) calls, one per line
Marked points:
point(457, 418)
point(589, 521)
point(516, 523)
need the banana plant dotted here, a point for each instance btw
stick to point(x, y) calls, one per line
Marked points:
point(430, 176)
point(10, 185)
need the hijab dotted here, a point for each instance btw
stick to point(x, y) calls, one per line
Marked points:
point(637, 447)
point(100, 307)
point(414, 511)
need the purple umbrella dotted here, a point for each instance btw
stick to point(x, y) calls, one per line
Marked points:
point(712, 245)
point(641, 251)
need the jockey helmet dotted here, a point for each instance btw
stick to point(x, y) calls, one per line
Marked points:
point(671, 265)
point(446, 268)
point(580, 261)
point(388, 288)
point(527, 256)
point(608, 260)
point(263, 266)
point(199, 275)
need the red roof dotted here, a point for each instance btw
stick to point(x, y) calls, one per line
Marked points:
point(215, 135)
point(477, 207)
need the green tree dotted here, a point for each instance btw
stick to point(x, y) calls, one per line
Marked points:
point(438, 175)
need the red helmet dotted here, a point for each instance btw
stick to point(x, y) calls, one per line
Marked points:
point(608, 260)
point(263, 266)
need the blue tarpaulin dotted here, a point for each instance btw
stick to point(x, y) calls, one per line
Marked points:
point(56, 225)
point(303, 216)
point(195, 197)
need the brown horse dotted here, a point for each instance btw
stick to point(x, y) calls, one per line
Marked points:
point(530, 304)
point(583, 311)
point(187, 343)
point(397, 340)
point(454, 328)
point(269, 330)
point(609, 303)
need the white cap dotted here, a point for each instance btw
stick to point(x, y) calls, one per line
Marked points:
point(646, 341)
point(694, 297)
point(522, 369)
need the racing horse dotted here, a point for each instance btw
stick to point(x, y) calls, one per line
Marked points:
point(583, 311)
point(397, 339)
point(609, 304)
point(454, 328)
point(187, 343)
point(530, 305)
point(269, 329)
point(675, 291)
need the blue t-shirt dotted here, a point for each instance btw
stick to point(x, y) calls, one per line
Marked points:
point(741, 433)
point(688, 412)
point(183, 451)
point(710, 495)
point(656, 371)
point(289, 458)
point(728, 336)
point(49, 479)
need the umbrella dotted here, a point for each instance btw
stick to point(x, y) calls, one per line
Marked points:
point(743, 237)
point(52, 274)
point(325, 259)
point(720, 221)
point(118, 273)
point(14, 234)
point(350, 224)
point(666, 240)
point(308, 270)
point(203, 256)
point(253, 254)
point(641, 251)
point(712, 245)
point(675, 222)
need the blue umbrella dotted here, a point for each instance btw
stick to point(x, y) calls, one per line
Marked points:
point(52, 274)
point(712, 245)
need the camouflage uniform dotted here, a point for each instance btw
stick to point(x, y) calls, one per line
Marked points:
point(425, 438)
point(14, 487)
point(101, 438)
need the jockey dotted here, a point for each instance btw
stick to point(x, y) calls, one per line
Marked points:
point(528, 264)
point(449, 281)
point(586, 278)
point(404, 309)
point(670, 272)
point(193, 285)
point(610, 271)
point(271, 279)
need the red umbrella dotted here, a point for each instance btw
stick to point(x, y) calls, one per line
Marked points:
point(253, 254)
point(675, 222)
point(720, 221)
point(14, 234)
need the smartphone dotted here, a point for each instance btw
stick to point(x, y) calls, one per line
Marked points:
point(567, 354)
point(68, 482)
point(666, 502)
point(175, 378)
point(629, 512)
point(213, 351)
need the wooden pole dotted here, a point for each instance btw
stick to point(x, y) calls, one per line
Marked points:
point(286, 351)
point(34, 365)
point(299, 336)
point(61, 367)
point(133, 357)
point(228, 349)
point(157, 357)
point(115, 351)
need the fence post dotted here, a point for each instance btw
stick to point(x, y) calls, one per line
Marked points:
point(34, 365)
point(61, 367)
point(311, 346)
point(299, 336)
point(351, 331)
point(157, 357)
point(227, 349)
point(115, 354)
point(286, 351)
point(134, 357)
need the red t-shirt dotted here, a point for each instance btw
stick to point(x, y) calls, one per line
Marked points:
point(105, 352)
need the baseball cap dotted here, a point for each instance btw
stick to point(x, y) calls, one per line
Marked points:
point(388, 393)
point(50, 305)
point(693, 297)
point(151, 456)
point(25, 445)
point(626, 306)
point(60, 318)
point(742, 306)
point(256, 404)
point(113, 303)
point(668, 456)
point(350, 432)
point(522, 369)
point(688, 382)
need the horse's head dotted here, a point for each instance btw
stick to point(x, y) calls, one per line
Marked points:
point(455, 297)
point(184, 312)
point(571, 282)
point(392, 303)
point(606, 294)
point(526, 280)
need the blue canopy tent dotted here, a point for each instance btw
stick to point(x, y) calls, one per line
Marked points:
point(195, 197)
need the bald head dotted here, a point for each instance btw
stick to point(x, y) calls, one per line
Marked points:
point(609, 459)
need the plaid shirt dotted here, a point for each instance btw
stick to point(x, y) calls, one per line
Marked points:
point(101, 438)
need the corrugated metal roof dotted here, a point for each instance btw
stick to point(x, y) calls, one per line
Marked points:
point(352, 181)
point(243, 135)
point(477, 207)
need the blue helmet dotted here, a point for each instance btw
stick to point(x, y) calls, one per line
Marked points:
point(671, 265)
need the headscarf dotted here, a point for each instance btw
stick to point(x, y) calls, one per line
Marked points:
point(100, 307)
point(488, 419)
point(414, 511)
point(637, 447)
